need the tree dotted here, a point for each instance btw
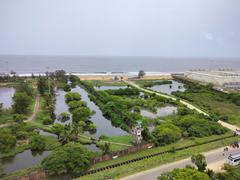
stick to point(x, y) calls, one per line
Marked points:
point(166, 133)
point(72, 96)
point(37, 142)
point(200, 161)
point(83, 113)
point(42, 85)
point(63, 117)
point(26, 87)
point(76, 104)
point(60, 75)
point(18, 118)
point(72, 158)
point(65, 135)
point(7, 140)
point(184, 174)
point(21, 102)
point(141, 74)
point(57, 129)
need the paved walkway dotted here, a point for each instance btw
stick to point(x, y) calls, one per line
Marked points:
point(32, 117)
point(187, 104)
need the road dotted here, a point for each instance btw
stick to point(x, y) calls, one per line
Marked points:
point(32, 117)
point(215, 159)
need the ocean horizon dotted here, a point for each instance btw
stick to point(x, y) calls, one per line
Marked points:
point(115, 64)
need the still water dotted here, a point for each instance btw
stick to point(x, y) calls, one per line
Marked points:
point(161, 112)
point(169, 88)
point(23, 160)
point(6, 94)
point(104, 126)
point(103, 88)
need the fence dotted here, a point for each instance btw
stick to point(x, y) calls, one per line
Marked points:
point(121, 153)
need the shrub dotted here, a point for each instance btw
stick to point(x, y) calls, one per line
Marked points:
point(166, 133)
point(72, 158)
point(36, 142)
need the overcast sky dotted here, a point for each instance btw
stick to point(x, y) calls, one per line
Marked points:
point(121, 27)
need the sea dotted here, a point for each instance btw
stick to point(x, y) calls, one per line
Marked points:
point(102, 64)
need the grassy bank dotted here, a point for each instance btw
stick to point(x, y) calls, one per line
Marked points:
point(146, 164)
point(106, 83)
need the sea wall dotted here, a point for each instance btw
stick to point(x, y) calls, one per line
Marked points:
point(215, 79)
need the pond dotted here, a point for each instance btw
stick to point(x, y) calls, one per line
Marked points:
point(6, 94)
point(161, 112)
point(103, 88)
point(169, 88)
point(23, 160)
point(61, 106)
point(104, 126)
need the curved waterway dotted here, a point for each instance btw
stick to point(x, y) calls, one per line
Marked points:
point(104, 126)
point(6, 94)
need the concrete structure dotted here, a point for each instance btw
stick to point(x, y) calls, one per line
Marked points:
point(137, 133)
point(227, 79)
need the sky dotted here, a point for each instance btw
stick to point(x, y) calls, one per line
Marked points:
point(179, 28)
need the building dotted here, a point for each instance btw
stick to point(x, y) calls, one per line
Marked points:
point(137, 133)
point(222, 78)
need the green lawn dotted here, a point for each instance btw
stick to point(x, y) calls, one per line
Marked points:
point(6, 118)
point(216, 105)
point(106, 83)
point(145, 164)
point(127, 139)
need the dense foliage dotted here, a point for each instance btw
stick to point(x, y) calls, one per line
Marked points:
point(21, 103)
point(184, 174)
point(166, 133)
point(72, 158)
point(36, 142)
point(7, 140)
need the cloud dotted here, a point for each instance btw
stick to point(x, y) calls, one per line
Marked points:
point(209, 36)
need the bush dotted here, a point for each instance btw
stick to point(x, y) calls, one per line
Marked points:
point(21, 102)
point(7, 140)
point(166, 133)
point(18, 118)
point(47, 121)
point(36, 142)
point(184, 174)
point(72, 96)
point(72, 158)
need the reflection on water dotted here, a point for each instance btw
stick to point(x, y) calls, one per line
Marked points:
point(103, 88)
point(92, 147)
point(23, 160)
point(161, 112)
point(104, 126)
point(168, 88)
point(61, 106)
point(6, 94)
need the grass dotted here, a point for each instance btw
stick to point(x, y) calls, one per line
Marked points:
point(216, 105)
point(127, 139)
point(106, 83)
point(20, 173)
point(146, 164)
point(6, 118)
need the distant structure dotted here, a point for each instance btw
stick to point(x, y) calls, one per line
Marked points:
point(221, 78)
point(137, 133)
